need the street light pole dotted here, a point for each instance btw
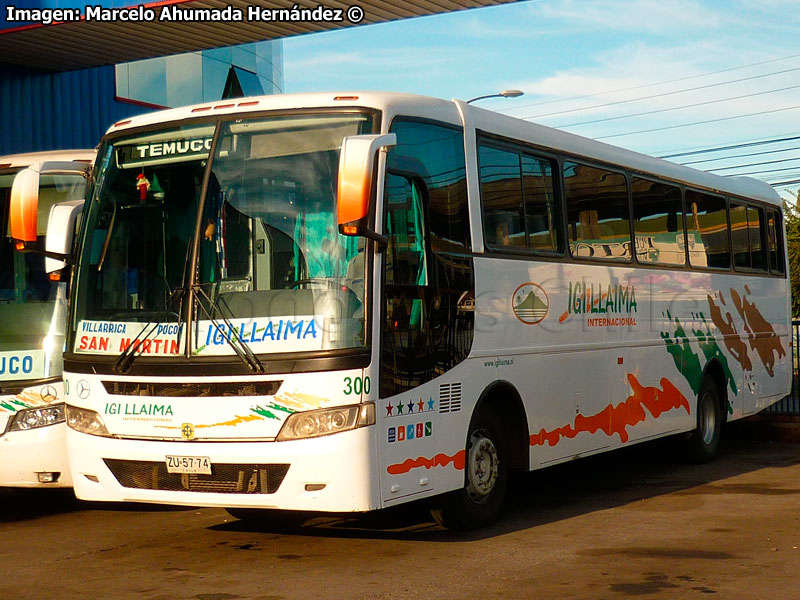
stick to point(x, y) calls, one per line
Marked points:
point(503, 94)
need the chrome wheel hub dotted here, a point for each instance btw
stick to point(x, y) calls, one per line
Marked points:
point(482, 467)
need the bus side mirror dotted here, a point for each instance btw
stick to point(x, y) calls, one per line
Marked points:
point(24, 204)
point(356, 178)
point(60, 231)
point(24, 207)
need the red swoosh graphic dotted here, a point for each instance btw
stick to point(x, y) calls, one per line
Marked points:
point(440, 460)
point(616, 419)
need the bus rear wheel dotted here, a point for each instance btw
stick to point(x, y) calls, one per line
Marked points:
point(486, 467)
point(704, 441)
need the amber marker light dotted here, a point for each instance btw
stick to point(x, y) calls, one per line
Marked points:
point(345, 98)
point(55, 276)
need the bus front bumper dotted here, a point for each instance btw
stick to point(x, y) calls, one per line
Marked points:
point(332, 473)
point(35, 458)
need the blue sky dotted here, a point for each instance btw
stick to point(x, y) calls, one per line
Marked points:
point(574, 55)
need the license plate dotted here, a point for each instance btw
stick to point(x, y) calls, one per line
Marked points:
point(189, 464)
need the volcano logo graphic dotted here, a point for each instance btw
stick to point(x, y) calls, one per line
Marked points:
point(530, 303)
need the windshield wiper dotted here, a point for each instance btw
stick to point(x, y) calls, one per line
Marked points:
point(125, 359)
point(240, 348)
point(128, 355)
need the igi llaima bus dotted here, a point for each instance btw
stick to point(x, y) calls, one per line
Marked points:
point(344, 302)
point(33, 314)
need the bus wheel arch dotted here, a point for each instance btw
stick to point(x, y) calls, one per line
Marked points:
point(502, 398)
point(492, 448)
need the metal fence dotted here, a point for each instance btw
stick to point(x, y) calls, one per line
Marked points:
point(791, 404)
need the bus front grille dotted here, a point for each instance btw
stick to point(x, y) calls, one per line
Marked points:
point(189, 389)
point(225, 478)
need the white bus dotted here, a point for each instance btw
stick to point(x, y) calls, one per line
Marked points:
point(346, 302)
point(32, 325)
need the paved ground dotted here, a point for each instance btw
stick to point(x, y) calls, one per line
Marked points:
point(635, 524)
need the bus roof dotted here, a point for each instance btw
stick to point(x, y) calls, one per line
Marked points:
point(393, 104)
point(29, 158)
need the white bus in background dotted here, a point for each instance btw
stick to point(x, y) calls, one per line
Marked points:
point(32, 325)
point(347, 302)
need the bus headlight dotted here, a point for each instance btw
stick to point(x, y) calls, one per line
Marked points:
point(33, 418)
point(314, 423)
point(85, 421)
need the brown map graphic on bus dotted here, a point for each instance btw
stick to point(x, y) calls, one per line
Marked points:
point(730, 336)
point(616, 419)
point(760, 333)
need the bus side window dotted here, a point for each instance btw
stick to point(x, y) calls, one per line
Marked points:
point(774, 232)
point(518, 201)
point(739, 236)
point(501, 195)
point(707, 230)
point(658, 222)
point(541, 209)
point(755, 218)
point(597, 212)
point(747, 237)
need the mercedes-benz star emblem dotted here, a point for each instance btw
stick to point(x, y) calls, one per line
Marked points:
point(48, 393)
point(82, 389)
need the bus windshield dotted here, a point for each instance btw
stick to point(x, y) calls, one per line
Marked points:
point(29, 302)
point(270, 269)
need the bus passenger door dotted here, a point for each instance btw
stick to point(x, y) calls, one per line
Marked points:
point(407, 444)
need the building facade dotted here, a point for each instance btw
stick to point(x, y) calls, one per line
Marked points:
point(50, 110)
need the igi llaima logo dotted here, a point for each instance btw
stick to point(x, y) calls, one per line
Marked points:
point(530, 303)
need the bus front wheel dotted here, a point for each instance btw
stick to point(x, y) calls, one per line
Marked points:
point(486, 467)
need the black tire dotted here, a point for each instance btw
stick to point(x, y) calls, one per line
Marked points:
point(704, 441)
point(486, 468)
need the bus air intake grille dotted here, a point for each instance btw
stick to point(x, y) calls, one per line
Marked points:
point(224, 479)
point(449, 397)
point(189, 389)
